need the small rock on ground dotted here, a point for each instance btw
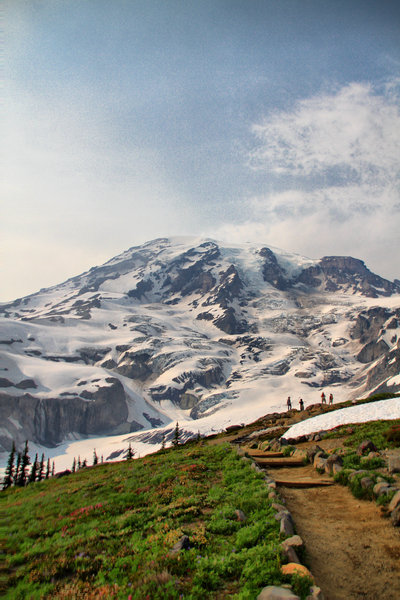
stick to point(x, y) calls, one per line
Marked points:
point(272, 592)
point(295, 541)
point(292, 568)
point(240, 515)
point(395, 516)
point(181, 544)
point(286, 526)
point(395, 501)
point(364, 446)
point(315, 593)
point(394, 464)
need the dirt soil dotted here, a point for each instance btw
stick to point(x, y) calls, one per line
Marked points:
point(353, 553)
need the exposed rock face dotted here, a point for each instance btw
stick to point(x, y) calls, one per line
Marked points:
point(369, 324)
point(372, 351)
point(229, 323)
point(272, 272)
point(48, 421)
point(351, 271)
point(386, 368)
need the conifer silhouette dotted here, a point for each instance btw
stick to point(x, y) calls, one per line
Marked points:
point(40, 471)
point(33, 473)
point(25, 462)
point(48, 469)
point(129, 454)
point(177, 435)
point(10, 471)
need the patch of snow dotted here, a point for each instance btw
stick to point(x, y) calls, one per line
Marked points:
point(361, 413)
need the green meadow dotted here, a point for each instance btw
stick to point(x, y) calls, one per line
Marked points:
point(107, 531)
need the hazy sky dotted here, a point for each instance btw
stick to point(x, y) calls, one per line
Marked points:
point(274, 121)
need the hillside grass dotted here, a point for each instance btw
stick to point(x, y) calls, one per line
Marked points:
point(107, 531)
point(376, 431)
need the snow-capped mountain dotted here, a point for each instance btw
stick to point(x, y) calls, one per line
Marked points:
point(192, 329)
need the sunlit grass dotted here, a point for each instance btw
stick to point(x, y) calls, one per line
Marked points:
point(107, 531)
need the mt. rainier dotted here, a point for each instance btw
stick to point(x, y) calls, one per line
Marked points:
point(211, 334)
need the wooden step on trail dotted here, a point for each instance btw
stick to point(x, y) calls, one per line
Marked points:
point(279, 462)
point(260, 454)
point(304, 483)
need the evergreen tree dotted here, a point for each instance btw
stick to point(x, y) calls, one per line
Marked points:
point(163, 441)
point(102, 459)
point(40, 473)
point(17, 468)
point(95, 459)
point(129, 454)
point(48, 469)
point(79, 463)
point(34, 469)
point(198, 436)
point(9, 473)
point(177, 435)
point(73, 469)
point(25, 462)
point(84, 464)
point(53, 469)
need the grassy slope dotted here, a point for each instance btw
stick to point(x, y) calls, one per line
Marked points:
point(107, 531)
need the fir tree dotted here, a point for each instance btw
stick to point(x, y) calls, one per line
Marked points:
point(48, 469)
point(84, 464)
point(18, 468)
point(9, 473)
point(163, 441)
point(25, 462)
point(40, 473)
point(102, 459)
point(79, 463)
point(177, 435)
point(53, 469)
point(129, 454)
point(34, 469)
point(95, 459)
point(73, 469)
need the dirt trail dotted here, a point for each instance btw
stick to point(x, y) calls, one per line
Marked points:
point(351, 550)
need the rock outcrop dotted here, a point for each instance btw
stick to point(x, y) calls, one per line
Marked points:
point(48, 421)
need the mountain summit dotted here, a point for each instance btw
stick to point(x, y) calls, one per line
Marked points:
point(193, 329)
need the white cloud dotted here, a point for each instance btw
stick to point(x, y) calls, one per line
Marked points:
point(355, 132)
point(334, 162)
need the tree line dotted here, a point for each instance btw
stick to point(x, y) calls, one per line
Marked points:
point(17, 471)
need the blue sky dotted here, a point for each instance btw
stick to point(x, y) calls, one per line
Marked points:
point(243, 120)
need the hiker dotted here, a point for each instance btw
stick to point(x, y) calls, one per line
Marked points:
point(330, 398)
point(289, 403)
point(301, 404)
point(323, 398)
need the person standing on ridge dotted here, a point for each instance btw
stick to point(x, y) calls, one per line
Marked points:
point(289, 403)
point(301, 404)
point(330, 398)
point(323, 398)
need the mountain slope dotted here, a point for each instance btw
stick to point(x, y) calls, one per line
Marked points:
point(194, 330)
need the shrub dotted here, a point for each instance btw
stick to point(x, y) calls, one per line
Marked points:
point(250, 535)
point(301, 585)
point(384, 499)
point(288, 450)
point(393, 435)
point(223, 521)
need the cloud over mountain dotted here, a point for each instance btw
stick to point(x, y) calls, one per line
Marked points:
point(332, 166)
